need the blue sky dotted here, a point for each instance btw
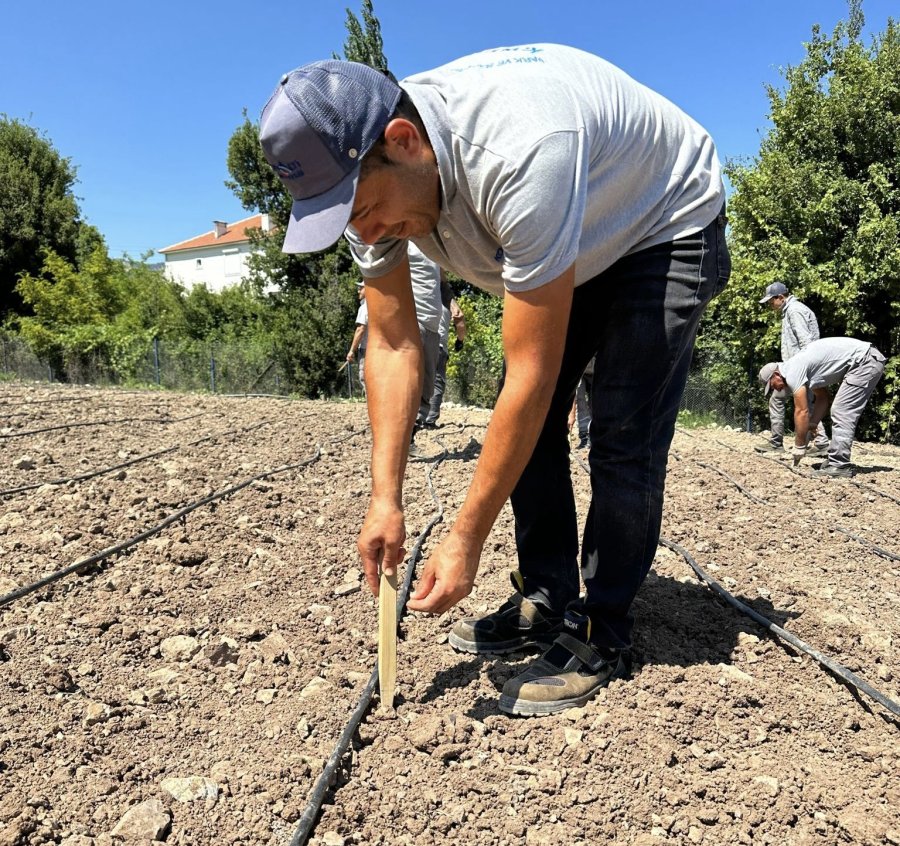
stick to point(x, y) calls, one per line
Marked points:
point(144, 97)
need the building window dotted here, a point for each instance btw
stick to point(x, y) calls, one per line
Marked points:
point(198, 264)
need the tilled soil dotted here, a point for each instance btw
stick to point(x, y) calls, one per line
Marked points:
point(189, 689)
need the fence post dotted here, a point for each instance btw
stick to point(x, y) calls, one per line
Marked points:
point(749, 423)
point(156, 358)
point(49, 373)
point(212, 368)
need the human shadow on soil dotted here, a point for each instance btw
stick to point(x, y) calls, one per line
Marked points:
point(679, 624)
point(871, 469)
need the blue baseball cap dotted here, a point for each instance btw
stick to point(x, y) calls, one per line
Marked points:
point(318, 124)
point(776, 289)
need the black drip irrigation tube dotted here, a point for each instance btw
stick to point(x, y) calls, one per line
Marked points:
point(17, 401)
point(326, 778)
point(876, 549)
point(148, 533)
point(837, 669)
point(796, 471)
point(137, 460)
point(110, 422)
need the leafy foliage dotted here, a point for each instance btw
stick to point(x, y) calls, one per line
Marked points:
point(37, 207)
point(819, 210)
point(474, 372)
point(104, 316)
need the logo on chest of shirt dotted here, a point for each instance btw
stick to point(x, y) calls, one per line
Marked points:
point(498, 256)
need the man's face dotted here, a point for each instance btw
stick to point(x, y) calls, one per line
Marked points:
point(776, 303)
point(399, 200)
point(777, 382)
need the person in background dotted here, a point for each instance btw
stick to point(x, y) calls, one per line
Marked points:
point(856, 366)
point(425, 277)
point(357, 351)
point(581, 408)
point(451, 312)
point(799, 328)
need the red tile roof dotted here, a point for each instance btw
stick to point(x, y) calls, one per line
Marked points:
point(235, 233)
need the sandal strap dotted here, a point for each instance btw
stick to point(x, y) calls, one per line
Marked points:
point(585, 653)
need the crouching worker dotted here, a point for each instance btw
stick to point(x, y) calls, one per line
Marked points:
point(595, 208)
point(856, 365)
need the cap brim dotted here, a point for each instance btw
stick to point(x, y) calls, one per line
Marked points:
point(765, 299)
point(318, 222)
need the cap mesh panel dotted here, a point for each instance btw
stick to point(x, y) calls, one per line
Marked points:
point(345, 103)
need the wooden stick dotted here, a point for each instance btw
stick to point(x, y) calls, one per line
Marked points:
point(387, 639)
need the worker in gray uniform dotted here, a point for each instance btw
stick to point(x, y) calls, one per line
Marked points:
point(799, 328)
point(856, 366)
point(595, 208)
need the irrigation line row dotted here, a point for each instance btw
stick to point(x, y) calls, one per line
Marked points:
point(17, 401)
point(118, 548)
point(326, 778)
point(101, 423)
point(838, 669)
point(146, 457)
point(762, 501)
point(861, 485)
point(876, 549)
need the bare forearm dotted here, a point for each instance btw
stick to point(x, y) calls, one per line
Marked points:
point(802, 426)
point(394, 379)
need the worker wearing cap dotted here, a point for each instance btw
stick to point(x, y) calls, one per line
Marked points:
point(856, 365)
point(595, 208)
point(799, 328)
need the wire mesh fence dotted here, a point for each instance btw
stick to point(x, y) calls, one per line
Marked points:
point(189, 366)
point(237, 368)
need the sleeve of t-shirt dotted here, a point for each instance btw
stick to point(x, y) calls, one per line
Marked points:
point(376, 259)
point(538, 209)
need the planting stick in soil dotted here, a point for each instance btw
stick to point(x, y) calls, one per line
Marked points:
point(387, 639)
point(326, 778)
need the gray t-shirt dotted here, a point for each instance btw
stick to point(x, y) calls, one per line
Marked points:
point(822, 363)
point(547, 154)
point(426, 285)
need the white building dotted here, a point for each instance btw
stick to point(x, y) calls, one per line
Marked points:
point(217, 258)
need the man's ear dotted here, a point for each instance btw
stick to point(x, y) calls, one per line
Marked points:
point(402, 139)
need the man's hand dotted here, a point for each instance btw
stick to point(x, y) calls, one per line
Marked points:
point(380, 543)
point(351, 355)
point(447, 577)
point(797, 453)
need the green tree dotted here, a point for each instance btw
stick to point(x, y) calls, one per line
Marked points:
point(316, 303)
point(819, 209)
point(364, 43)
point(38, 210)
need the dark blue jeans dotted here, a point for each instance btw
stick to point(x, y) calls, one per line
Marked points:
point(640, 318)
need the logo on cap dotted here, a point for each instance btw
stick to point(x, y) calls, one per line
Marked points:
point(291, 170)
